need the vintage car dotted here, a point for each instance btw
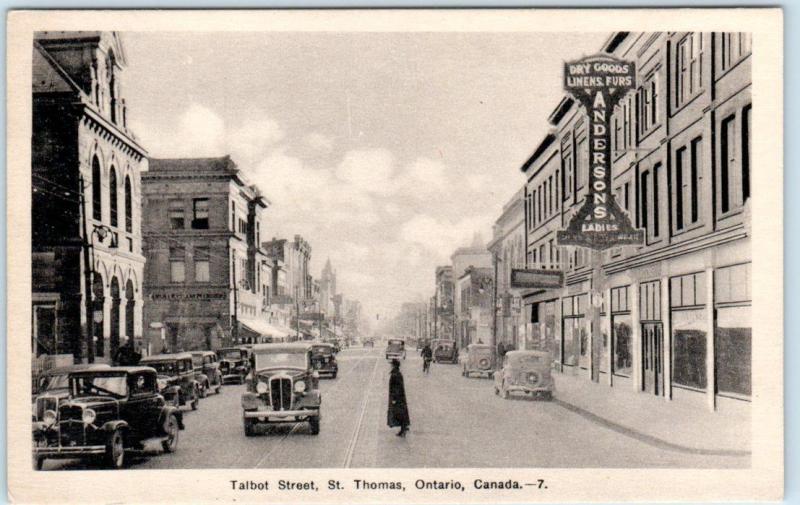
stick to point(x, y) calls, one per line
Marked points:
point(526, 372)
point(234, 363)
point(445, 351)
point(177, 380)
point(324, 360)
point(108, 411)
point(395, 348)
point(479, 359)
point(369, 343)
point(55, 381)
point(282, 387)
point(206, 364)
point(421, 342)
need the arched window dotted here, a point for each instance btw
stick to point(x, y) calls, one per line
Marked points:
point(112, 85)
point(115, 309)
point(130, 304)
point(128, 206)
point(112, 196)
point(97, 188)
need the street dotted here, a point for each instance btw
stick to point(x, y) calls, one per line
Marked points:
point(455, 422)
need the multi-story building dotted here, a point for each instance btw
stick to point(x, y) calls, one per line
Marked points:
point(292, 284)
point(508, 252)
point(327, 286)
point(443, 298)
point(86, 237)
point(476, 256)
point(676, 311)
point(207, 276)
point(475, 288)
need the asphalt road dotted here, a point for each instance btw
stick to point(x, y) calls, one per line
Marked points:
point(455, 422)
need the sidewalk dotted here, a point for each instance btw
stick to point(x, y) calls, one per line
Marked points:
point(670, 425)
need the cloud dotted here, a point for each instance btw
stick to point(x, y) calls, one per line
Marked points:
point(319, 141)
point(369, 170)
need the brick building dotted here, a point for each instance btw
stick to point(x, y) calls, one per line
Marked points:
point(86, 167)
point(474, 310)
point(676, 311)
point(207, 277)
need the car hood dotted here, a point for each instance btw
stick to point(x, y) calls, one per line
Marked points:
point(90, 401)
point(59, 394)
point(294, 373)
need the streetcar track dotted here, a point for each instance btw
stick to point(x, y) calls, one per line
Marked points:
point(279, 443)
point(348, 458)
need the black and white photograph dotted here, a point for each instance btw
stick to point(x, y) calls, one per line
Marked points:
point(404, 252)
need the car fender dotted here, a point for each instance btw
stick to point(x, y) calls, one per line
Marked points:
point(202, 378)
point(116, 424)
point(170, 391)
point(167, 410)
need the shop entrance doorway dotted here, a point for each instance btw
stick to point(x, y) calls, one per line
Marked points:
point(653, 358)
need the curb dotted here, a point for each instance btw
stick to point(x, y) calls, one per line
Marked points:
point(643, 437)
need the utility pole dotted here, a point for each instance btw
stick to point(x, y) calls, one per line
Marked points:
point(88, 270)
point(235, 322)
point(494, 305)
point(297, 311)
point(598, 283)
point(436, 314)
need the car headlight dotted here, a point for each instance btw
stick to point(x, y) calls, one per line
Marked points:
point(89, 416)
point(299, 386)
point(49, 418)
point(261, 387)
point(161, 384)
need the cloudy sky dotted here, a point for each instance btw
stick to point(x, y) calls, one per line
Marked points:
point(386, 151)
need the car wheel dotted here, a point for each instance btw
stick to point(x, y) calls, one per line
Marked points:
point(39, 463)
point(218, 388)
point(171, 429)
point(249, 428)
point(335, 374)
point(204, 390)
point(313, 423)
point(115, 450)
point(195, 399)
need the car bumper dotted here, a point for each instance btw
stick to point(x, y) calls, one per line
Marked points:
point(529, 389)
point(390, 355)
point(327, 371)
point(280, 415)
point(232, 376)
point(68, 452)
point(480, 370)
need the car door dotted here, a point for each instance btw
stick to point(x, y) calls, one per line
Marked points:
point(138, 410)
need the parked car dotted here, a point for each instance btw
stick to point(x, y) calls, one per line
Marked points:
point(479, 359)
point(234, 363)
point(55, 381)
point(282, 388)
point(369, 343)
point(526, 372)
point(108, 411)
point(445, 351)
point(395, 348)
point(324, 360)
point(206, 363)
point(177, 380)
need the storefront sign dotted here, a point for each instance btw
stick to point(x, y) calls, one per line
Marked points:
point(599, 83)
point(189, 296)
point(536, 279)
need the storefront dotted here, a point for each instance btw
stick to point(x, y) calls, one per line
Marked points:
point(651, 329)
point(621, 333)
point(575, 335)
point(689, 322)
point(732, 331)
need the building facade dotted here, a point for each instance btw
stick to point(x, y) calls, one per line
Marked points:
point(508, 252)
point(475, 288)
point(207, 275)
point(676, 310)
point(476, 256)
point(87, 262)
point(443, 299)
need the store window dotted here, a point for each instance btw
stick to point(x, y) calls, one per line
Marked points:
point(622, 362)
point(201, 264)
point(689, 336)
point(733, 331)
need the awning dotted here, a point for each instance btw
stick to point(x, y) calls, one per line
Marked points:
point(263, 328)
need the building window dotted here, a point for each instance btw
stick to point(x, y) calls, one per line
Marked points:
point(647, 105)
point(97, 190)
point(128, 205)
point(644, 201)
point(656, 198)
point(746, 153)
point(201, 264)
point(177, 264)
point(112, 197)
point(688, 67)
point(733, 47)
point(732, 331)
point(581, 168)
point(242, 226)
point(258, 234)
point(567, 166)
point(696, 169)
point(233, 216)
point(176, 220)
point(550, 195)
point(680, 188)
point(534, 216)
point(727, 180)
point(200, 213)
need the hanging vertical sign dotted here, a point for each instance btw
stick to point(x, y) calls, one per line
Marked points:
point(598, 83)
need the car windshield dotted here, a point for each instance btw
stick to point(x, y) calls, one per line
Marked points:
point(54, 382)
point(280, 359)
point(197, 359)
point(114, 386)
point(528, 361)
point(396, 344)
point(164, 367)
point(322, 349)
point(231, 354)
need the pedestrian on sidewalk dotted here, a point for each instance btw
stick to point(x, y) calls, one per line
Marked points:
point(398, 408)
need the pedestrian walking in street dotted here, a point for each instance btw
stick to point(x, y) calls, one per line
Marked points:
point(126, 355)
point(398, 408)
point(427, 357)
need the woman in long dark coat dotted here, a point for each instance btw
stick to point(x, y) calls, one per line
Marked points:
point(398, 408)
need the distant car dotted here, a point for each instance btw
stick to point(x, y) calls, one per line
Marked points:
point(108, 411)
point(395, 348)
point(177, 380)
point(324, 360)
point(234, 363)
point(282, 388)
point(479, 359)
point(445, 352)
point(206, 363)
point(369, 343)
point(526, 372)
